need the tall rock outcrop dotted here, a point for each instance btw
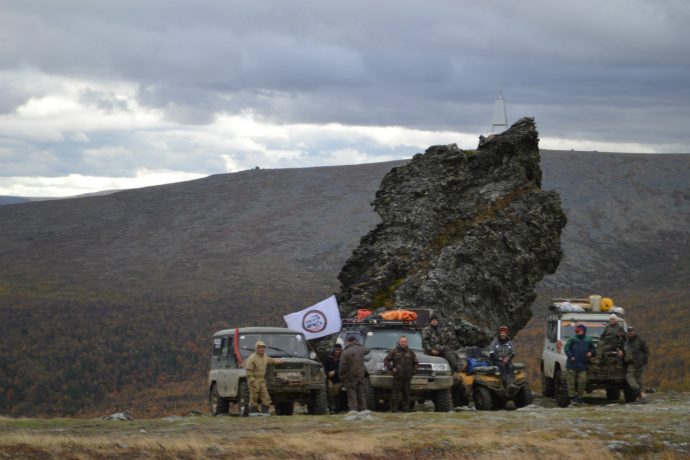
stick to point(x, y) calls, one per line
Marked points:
point(467, 233)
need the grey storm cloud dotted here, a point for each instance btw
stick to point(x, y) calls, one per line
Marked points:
point(614, 71)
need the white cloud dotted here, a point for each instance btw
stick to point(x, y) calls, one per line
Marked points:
point(76, 184)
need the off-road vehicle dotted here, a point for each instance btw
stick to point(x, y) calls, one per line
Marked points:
point(481, 382)
point(607, 373)
point(432, 379)
point(299, 378)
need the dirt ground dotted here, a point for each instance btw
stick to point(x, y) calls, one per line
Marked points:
point(597, 430)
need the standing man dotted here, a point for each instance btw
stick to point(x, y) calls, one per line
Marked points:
point(611, 339)
point(578, 349)
point(440, 341)
point(636, 357)
point(501, 352)
point(353, 374)
point(401, 362)
point(255, 366)
point(332, 366)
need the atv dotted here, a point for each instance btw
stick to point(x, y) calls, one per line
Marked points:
point(483, 383)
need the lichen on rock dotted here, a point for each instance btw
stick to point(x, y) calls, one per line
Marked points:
point(466, 233)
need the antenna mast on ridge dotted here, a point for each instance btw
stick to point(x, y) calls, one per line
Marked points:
point(500, 122)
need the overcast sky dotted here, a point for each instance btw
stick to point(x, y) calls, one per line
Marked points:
point(98, 95)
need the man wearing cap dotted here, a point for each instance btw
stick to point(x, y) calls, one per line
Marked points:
point(353, 374)
point(255, 367)
point(332, 366)
point(501, 352)
point(578, 349)
point(611, 339)
point(440, 341)
point(635, 355)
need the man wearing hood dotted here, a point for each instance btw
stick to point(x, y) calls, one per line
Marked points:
point(578, 349)
point(440, 341)
point(402, 363)
point(501, 352)
point(255, 366)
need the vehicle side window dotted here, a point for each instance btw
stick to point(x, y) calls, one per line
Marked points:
point(218, 346)
point(552, 331)
point(231, 352)
point(224, 351)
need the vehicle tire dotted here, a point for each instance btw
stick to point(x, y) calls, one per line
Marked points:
point(285, 408)
point(459, 395)
point(218, 404)
point(442, 401)
point(482, 399)
point(371, 395)
point(629, 394)
point(548, 386)
point(613, 394)
point(243, 401)
point(562, 398)
point(523, 397)
point(318, 402)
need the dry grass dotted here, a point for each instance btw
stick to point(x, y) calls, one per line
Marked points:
point(593, 433)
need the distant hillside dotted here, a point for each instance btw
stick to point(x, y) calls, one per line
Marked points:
point(108, 295)
point(13, 200)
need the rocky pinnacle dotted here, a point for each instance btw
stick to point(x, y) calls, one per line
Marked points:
point(466, 233)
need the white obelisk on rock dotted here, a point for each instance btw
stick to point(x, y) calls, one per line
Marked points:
point(500, 122)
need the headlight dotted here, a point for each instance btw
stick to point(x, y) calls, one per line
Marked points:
point(440, 367)
point(380, 366)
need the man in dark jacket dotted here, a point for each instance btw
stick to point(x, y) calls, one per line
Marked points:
point(332, 367)
point(501, 352)
point(636, 357)
point(578, 349)
point(440, 341)
point(353, 374)
point(402, 363)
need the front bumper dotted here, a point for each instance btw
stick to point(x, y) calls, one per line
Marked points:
point(419, 383)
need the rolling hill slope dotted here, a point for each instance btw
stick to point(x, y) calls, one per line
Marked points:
point(112, 298)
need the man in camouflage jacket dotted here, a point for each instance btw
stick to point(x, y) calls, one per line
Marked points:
point(502, 352)
point(636, 357)
point(440, 341)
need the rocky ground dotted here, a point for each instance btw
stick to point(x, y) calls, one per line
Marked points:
point(597, 430)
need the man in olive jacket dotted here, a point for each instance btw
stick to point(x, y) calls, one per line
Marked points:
point(635, 356)
point(402, 362)
point(611, 339)
point(578, 349)
point(255, 366)
point(353, 374)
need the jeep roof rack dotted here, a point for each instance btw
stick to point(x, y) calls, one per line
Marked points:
point(379, 323)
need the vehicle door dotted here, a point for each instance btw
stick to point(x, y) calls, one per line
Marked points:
point(553, 347)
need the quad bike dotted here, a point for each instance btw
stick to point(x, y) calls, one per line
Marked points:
point(483, 384)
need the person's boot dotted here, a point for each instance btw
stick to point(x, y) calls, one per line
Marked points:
point(264, 409)
point(253, 410)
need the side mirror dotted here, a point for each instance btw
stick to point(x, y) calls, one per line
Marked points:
point(312, 355)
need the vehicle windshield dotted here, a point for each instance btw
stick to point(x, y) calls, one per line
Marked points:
point(277, 345)
point(594, 328)
point(389, 339)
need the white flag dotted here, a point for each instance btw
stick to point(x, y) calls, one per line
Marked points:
point(316, 321)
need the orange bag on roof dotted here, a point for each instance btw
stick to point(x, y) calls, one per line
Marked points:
point(399, 315)
point(363, 313)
